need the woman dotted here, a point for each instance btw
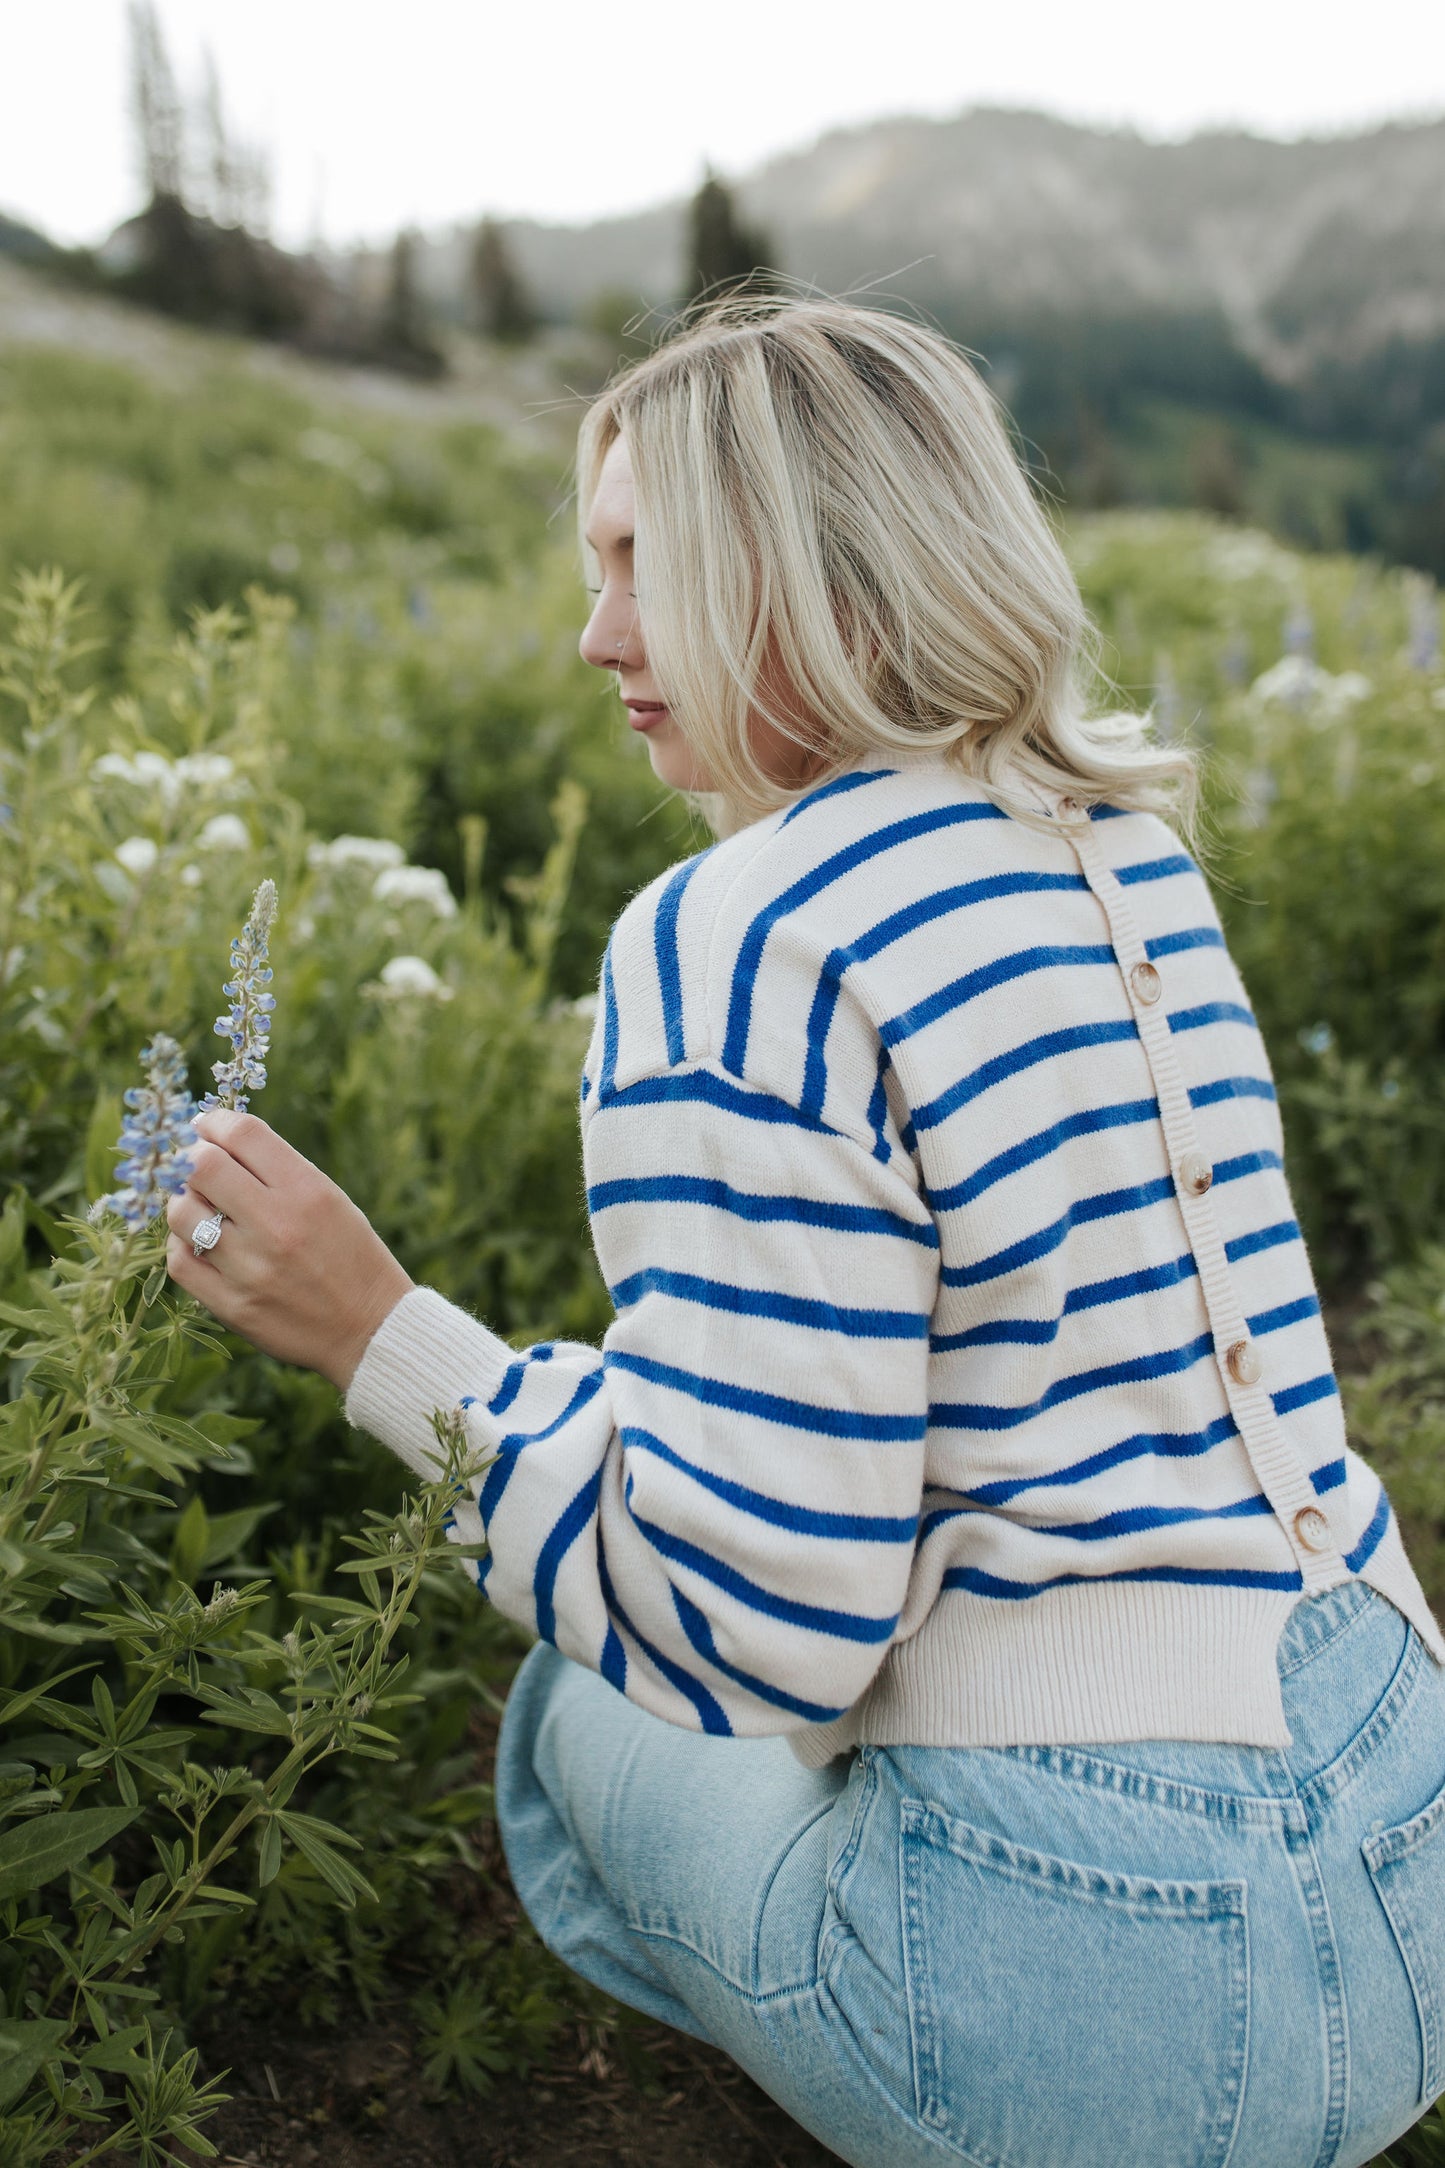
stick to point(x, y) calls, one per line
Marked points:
point(976, 1685)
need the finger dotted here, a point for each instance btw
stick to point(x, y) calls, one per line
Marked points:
point(253, 1143)
point(186, 1214)
point(229, 1185)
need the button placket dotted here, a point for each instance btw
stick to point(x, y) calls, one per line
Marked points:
point(1277, 1467)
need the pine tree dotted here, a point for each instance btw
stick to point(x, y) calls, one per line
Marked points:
point(156, 102)
point(501, 307)
point(403, 336)
point(723, 251)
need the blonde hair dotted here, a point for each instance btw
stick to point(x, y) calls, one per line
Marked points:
point(834, 532)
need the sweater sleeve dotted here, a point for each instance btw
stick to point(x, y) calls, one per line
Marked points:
point(717, 1508)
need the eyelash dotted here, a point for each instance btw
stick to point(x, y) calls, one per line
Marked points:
point(632, 592)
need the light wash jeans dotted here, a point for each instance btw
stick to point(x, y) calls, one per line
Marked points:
point(1163, 1953)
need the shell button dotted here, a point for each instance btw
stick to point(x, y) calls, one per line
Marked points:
point(1312, 1528)
point(1243, 1363)
point(1147, 984)
point(1195, 1173)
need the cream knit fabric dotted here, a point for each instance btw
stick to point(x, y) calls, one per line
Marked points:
point(968, 1383)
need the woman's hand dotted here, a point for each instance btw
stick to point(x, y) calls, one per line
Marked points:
point(299, 1270)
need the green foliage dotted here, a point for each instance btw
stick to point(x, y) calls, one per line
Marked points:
point(243, 1693)
point(1325, 841)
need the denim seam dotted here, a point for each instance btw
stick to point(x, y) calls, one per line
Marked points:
point(1305, 1862)
point(1327, 1784)
point(753, 1997)
point(1252, 1808)
point(1328, 1634)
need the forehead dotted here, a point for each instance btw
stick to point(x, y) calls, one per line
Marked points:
point(612, 504)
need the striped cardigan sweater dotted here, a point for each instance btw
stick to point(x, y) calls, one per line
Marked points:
point(968, 1382)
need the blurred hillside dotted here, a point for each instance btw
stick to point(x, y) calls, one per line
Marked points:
point(1252, 326)
point(1245, 327)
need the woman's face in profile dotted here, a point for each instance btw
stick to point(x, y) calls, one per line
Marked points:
point(612, 636)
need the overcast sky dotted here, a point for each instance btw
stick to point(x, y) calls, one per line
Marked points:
point(379, 113)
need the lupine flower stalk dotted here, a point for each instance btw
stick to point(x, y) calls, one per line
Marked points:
point(154, 1136)
point(247, 1023)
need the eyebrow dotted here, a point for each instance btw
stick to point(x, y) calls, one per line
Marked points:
point(623, 542)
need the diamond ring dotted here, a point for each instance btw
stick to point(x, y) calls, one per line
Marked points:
point(207, 1234)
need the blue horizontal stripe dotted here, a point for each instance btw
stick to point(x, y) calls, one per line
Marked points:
point(1302, 1396)
point(1000, 972)
point(1191, 937)
point(1285, 1313)
point(833, 788)
point(711, 1715)
point(1093, 1294)
point(814, 1618)
point(1154, 869)
point(1038, 1332)
point(699, 1632)
point(1370, 1541)
point(857, 1219)
point(574, 1517)
point(772, 1407)
point(1090, 1122)
point(985, 1415)
point(1328, 1477)
point(1164, 1444)
point(778, 1512)
point(1231, 1087)
point(771, 1303)
point(1262, 1238)
point(1106, 1205)
point(997, 1332)
point(979, 1583)
point(812, 883)
point(1019, 1058)
point(703, 1087)
point(1211, 1012)
point(1132, 1520)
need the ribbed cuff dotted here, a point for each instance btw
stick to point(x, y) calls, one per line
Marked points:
point(425, 1355)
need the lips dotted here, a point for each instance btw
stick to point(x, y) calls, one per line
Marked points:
point(642, 714)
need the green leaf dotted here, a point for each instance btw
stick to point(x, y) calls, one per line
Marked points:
point(116, 2051)
point(269, 1852)
point(101, 1133)
point(35, 1852)
point(188, 1545)
point(24, 2046)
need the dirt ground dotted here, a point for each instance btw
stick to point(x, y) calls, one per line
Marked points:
point(359, 2104)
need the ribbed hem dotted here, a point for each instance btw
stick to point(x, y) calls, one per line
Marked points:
point(426, 1355)
point(1115, 1660)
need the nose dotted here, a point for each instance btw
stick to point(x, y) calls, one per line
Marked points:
point(611, 638)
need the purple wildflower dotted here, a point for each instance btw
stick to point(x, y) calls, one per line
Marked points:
point(154, 1136)
point(247, 1023)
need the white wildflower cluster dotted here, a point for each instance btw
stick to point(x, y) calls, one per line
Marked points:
point(1297, 682)
point(416, 884)
point(163, 778)
point(137, 854)
point(408, 978)
point(375, 853)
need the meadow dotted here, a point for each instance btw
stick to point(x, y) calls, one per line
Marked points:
point(245, 1689)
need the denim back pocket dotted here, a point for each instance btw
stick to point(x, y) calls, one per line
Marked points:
point(1064, 2012)
point(1407, 1867)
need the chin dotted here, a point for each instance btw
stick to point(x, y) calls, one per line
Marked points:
point(673, 764)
